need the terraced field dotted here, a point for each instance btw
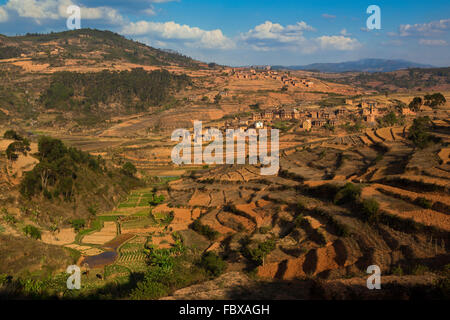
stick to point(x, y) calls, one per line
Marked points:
point(320, 238)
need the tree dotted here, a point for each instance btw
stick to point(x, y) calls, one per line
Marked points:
point(12, 135)
point(45, 171)
point(434, 100)
point(129, 169)
point(17, 146)
point(415, 104)
point(418, 132)
point(11, 153)
point(51, 149)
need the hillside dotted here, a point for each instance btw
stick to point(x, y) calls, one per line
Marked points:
point(57, 48)
point(40, 197)
point(91, 75)
point(364, 65)
point(395, 81)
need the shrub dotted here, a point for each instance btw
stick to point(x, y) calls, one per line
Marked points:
point(398, 271)
point(257, 255)
point(154, 285)
point(350, 193)
point(78, 224)
point(32, 232)
point(389, 119)
point(9, 218)
point(370, 210)
point(129, 169)
point(213, 264)
point(156, 200)
point(217, 98)
point(205, 230)
point(168, 218)
point(420, 270)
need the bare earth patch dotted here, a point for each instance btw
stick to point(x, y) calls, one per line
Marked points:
point(108, 233)
point(63, 237)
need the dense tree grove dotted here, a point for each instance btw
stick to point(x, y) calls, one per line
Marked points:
point(136, 89)
point(56, 172)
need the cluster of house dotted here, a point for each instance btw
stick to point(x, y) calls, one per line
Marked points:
point(308, 119)
point(286, 79)
point(368, 110)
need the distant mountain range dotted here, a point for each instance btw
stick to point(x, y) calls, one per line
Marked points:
point(365, 65)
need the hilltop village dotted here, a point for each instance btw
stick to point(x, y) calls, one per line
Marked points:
point(284, 77)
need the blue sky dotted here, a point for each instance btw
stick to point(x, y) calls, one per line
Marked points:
point(249, 32)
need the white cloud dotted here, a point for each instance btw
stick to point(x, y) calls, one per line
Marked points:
point(271, 36)
point(3, 15)
point(40, 10)
point(338, 43)
point(432, 42)
point(429, 28)
point(171, 31)
point(36, 9)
